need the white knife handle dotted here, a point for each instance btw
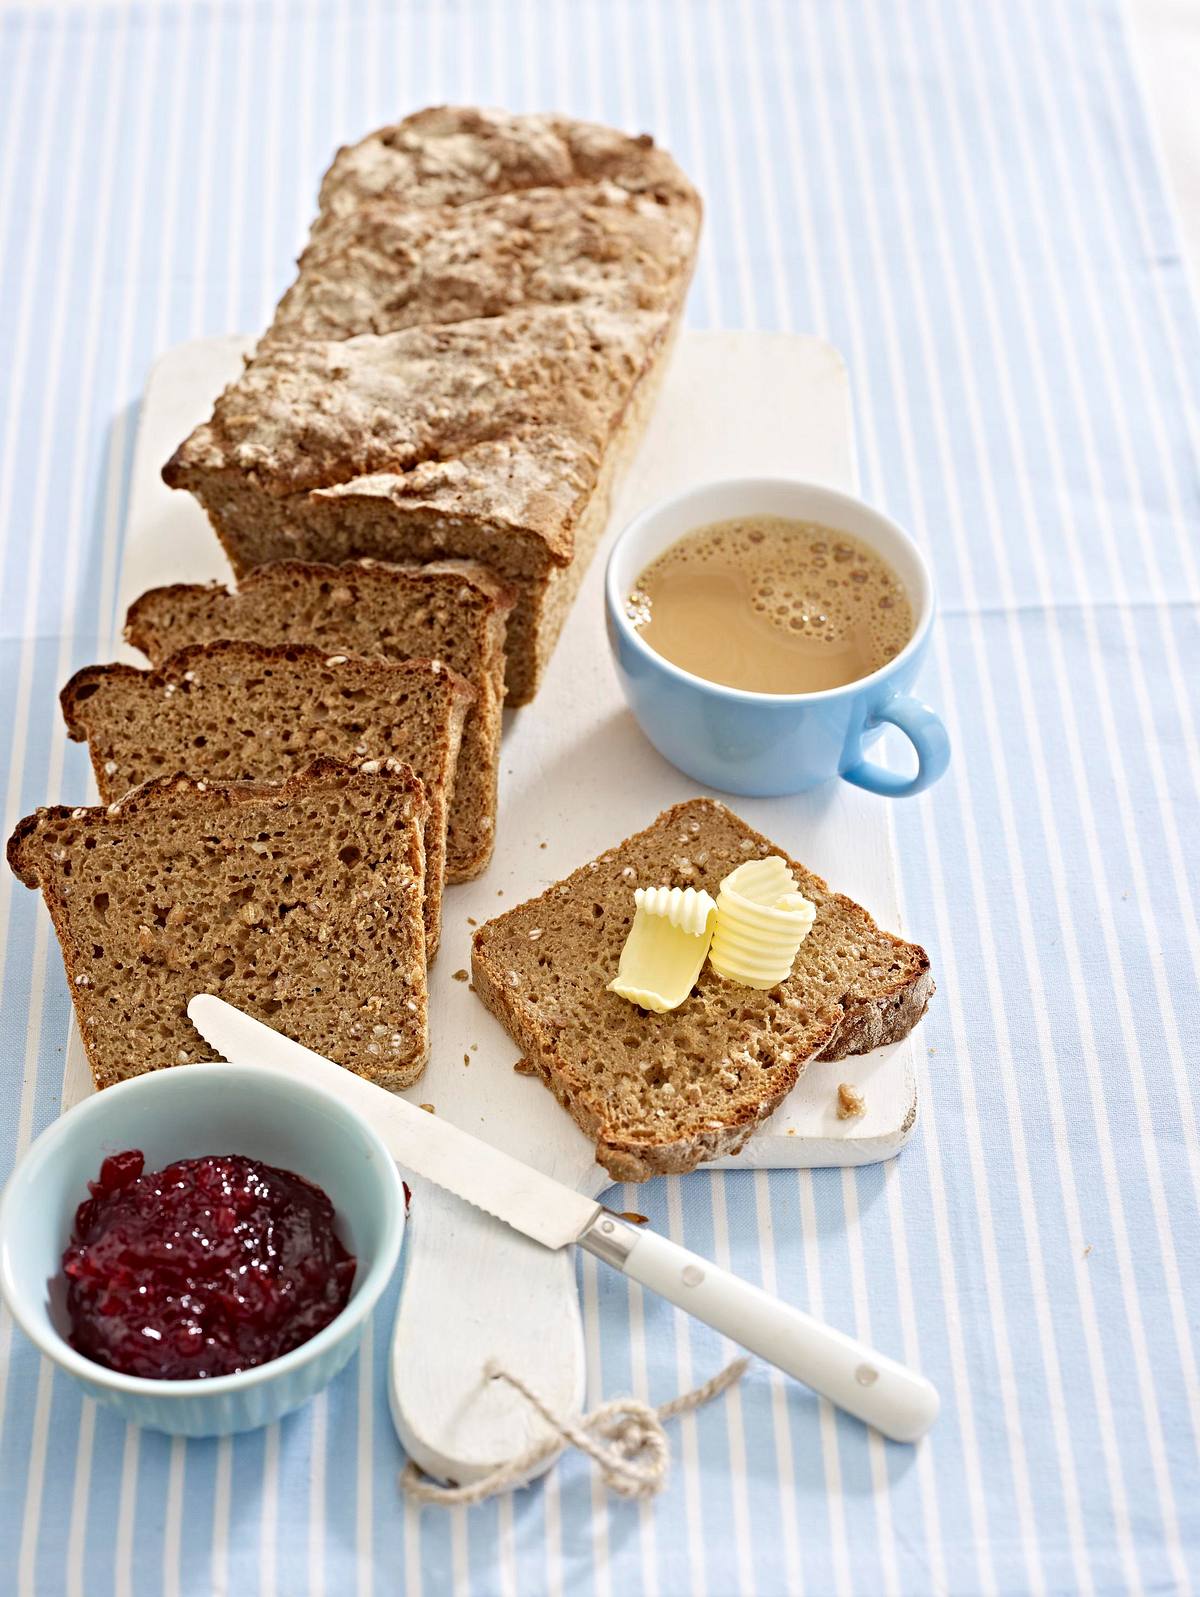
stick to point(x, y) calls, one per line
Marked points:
point(878, 1390)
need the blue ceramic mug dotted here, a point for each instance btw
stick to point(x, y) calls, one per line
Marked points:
point(764, 744)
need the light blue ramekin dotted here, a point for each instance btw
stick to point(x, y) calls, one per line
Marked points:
point(184, 1113)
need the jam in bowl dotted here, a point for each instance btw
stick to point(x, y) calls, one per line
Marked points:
point(208, 1267)
point(287, 1149)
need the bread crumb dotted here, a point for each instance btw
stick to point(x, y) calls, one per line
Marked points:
point(541, 845)
point(850, 1102)
point(471, 921)
point(429, 1109)
point(634, 1218)
point(474, 1047)
point(466, 1059)
point(524, 1068)
point(462, 975)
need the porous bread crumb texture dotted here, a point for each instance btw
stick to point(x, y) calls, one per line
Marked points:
point(234, 710)
point(664, 1093)
point(464, 360)
point(455, 613)
point(258, 893)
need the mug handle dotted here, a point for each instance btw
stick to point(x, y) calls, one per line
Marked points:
point(924, 730)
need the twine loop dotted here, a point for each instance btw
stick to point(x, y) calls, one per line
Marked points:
point(624, 1438)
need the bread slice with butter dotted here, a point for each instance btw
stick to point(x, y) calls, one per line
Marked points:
point(662, 1093)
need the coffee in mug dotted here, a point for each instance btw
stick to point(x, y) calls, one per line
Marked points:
point(772, 605)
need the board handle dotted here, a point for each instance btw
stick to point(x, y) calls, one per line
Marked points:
point(474, 1292)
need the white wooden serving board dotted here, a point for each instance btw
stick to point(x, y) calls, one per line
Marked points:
point(576, 776)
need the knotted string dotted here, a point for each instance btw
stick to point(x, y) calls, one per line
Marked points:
point(624, 1438)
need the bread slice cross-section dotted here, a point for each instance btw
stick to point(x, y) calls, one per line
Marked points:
point(300, 902)
point(661, 1093)
point(233, 711)
point(454, 612)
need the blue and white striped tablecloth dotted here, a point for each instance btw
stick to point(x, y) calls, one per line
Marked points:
point(965, 197)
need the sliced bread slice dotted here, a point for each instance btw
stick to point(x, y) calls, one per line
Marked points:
point(299, 902)
point(455, 612)
point(662, 1093)
point(232, 711)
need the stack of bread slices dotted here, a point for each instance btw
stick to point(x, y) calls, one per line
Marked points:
point(408, 478)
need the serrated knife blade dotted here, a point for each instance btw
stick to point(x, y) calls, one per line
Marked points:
point(524, 1198)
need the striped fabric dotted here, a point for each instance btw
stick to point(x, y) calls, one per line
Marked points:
point(966, 199)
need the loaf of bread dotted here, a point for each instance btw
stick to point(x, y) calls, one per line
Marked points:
point(230, 711)
point(465, 362)
point(257, 892)
point(454, 612)
point(661, 1093)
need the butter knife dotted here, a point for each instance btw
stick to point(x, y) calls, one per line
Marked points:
point(883, 1393)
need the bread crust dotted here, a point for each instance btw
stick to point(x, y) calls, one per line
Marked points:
point(455, 155)
point(880, 1006)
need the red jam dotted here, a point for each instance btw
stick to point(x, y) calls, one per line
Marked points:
point(207, 1267)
